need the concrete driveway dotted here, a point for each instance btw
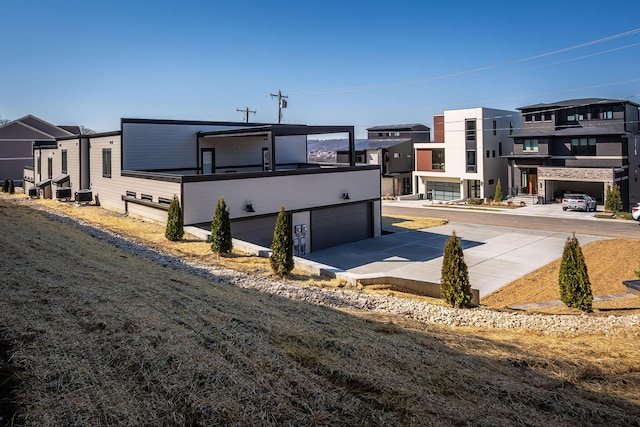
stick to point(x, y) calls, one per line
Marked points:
point(494, 255)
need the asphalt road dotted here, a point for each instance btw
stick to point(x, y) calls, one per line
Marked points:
point(605, 227)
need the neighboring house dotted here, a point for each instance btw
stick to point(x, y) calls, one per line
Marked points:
point(18, 139)
point(257, 168)
point(392, 148)
point(464, 160)
point(578, 145)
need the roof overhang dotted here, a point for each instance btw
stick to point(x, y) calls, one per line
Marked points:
point(277, 130)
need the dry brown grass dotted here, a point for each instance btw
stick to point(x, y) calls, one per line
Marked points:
point(98, 337)
point(411, 223)
point(609, 262)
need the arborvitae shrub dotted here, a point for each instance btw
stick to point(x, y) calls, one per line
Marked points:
point(613, 200)
point(221, 240)
point(5, 185)
point(282, 246)
point(454, 280)
point(498, 196)
point(175, 221)
point(12, 187)
point(575, 287)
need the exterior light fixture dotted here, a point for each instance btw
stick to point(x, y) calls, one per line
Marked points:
point(249, 207)
point(345, 196)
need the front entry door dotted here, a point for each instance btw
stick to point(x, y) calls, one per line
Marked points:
point(529, 181)
point(207, 156)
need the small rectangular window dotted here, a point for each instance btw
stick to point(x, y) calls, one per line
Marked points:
point(106, 162)
point(547, 116)
point(396, 155)
point(530, 145)
point(607, 114)
point(495, 127)
point(537, 117)
point(528, 117)
point(64, 161)
point(490, 182)
point(164, 201)
point(493, 153)
point(488, 154)
point(146, 198)
point(131, 194)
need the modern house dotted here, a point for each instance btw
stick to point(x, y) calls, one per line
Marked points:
point(256, 167)
point(18, 139)
point(464, 159)
point(578, 145)
point(392, 148)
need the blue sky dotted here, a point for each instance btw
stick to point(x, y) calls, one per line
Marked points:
point(340, 62)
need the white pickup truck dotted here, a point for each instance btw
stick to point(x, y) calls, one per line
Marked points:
point(580, 202)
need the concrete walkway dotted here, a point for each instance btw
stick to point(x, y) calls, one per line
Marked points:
point(494, 255)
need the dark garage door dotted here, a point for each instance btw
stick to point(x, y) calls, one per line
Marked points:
point(256, 230)
point(341, 224)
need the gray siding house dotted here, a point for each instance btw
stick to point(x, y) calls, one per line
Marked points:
point(578, 145)
point(256, 167)
point(18, 139)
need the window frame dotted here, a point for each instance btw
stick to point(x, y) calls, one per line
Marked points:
point(107, 164)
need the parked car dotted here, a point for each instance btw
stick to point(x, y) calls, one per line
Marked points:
point(635, 212)
point(580, 202)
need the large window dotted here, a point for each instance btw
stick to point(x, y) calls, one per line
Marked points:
point(471, 161)
point(437, 160)
point(530, 145)
point(583, 146)
point(106, 162)
point(64, 161)
point(470, 129)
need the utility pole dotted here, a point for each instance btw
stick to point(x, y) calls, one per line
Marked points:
point(246, 112)
point(282, 103)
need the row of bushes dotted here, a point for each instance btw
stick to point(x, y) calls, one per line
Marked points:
point(455, 288)
point(221, 240)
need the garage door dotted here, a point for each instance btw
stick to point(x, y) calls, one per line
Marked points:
point(256, 230)
point(341, 224)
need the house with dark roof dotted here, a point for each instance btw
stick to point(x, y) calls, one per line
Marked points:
point(392, 148)
point(577, 145)
point(18, 139)
point(256, 167)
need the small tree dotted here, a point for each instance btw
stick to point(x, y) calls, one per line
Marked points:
point(221, 240)
point(613, 200)
point(575, 288)
point(12, 187)
point(282, 246)
point(498, 196)
point(454, 280)
point(5, 185)
point(175, 221)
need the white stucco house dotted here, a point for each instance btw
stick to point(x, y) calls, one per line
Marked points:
point(256, 167)
point(464, 159)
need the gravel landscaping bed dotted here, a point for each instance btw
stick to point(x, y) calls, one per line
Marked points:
point(353, 299)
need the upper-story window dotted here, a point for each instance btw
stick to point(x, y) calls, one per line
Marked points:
point(470, 129)
point(530, 145)
point(607, 114)
point(571, 115)
point(583, 146)
point(547, 116)
point(528, 117)
point(537, 117)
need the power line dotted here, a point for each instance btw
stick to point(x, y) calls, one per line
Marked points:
point(246, 112)
point(332, 91)
point(282, 103)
